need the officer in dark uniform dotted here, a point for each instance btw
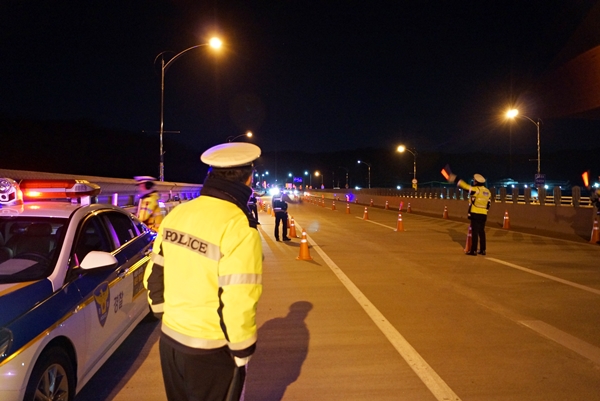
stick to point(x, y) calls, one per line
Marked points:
point(280, 207)
point(252, 206)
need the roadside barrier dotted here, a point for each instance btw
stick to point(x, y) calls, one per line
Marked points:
point(400, 224)
point(595, 238)
point(293, 228)
point(469, 241)
point(304, 251)
point(506, 222)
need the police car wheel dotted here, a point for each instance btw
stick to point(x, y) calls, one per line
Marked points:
point(52, 378)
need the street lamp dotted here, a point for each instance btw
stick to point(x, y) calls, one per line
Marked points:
point(317, 173)
point(403, 148)
point(306, 173)
point(215, 43)
point(369, 166)
point(514, 113)
point(233, 138)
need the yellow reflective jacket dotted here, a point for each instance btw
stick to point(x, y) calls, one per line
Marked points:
point(149, 211)
point(205, 275)
point(480, 197)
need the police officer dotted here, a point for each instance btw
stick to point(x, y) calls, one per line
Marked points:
point(205, 279)
point(149, 211)
point(253, 207)
point(479, 204)
point(280, 207)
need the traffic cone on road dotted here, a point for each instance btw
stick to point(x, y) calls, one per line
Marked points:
point(304, 251)
point(506, 223)
point(595, 238)
point(293, 229)
point(333, 205)
point(347, 208)
point(400, 225)
point(469, 241)
point(371, 204)
point(408, 209)
point(387, 205)
point(445, 212)
point(366, 214)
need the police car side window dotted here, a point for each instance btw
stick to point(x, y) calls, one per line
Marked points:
point(123, 227)
point(91, 238)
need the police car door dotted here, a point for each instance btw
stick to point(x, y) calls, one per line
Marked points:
point(104, 290)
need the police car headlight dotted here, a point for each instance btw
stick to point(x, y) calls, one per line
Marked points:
point(6, 339)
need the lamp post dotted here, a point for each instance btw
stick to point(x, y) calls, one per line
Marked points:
point(318, 173)
point(514, 113)
point(403, 148)
point(214, 43)
point(369, 166)
point(233, 138)
point(346, 175)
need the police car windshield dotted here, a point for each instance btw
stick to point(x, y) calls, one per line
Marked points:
point(29, 247)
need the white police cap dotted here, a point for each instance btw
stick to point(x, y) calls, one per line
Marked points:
point(144, 178)
point(232, 154)
point(478, 178)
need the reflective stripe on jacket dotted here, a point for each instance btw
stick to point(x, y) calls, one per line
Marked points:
point(205, 274)
point(480, 197)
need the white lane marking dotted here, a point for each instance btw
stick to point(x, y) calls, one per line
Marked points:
point(374, 222)
point(435, 384)
point(573, 343)
point(549, 277)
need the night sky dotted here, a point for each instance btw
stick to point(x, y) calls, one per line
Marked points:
point(302, 75)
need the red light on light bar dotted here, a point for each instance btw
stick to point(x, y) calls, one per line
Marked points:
point(57, 189)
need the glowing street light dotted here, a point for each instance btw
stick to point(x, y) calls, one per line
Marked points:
point(402, 149)
point(369, 166)
point(215, 43)
point(512, 114)
point(233, 138)
point(317, 173)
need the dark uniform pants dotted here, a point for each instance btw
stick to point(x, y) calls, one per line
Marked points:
point(190, 377)
point(281, 217)
point(478, 231)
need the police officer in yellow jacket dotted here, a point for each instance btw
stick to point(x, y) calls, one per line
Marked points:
point(479, 204)
point(149, 211)
point(205, 279)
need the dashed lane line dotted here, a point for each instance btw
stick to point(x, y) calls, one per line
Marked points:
point(435, 384)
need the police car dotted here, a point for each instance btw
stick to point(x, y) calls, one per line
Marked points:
point(71, 285)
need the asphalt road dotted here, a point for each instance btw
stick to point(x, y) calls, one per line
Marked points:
point(385, 315)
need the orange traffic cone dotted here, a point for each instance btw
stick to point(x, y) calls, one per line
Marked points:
point(347, 208)
point(445, 212)
point(304, 252)
point(595, 233)
point(506, 224)
point(333, 205)
point(371, 204)
point(387, 205)
point(469, 241)
point(408, 209)
point(366, 214)
point(400, 225)
point(293, 229)
point(400, 207)
point(323, 201)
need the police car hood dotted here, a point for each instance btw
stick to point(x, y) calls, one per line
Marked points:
point(18, 298)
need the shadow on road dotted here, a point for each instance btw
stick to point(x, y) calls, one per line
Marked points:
point(123, 364)
point(281, 351)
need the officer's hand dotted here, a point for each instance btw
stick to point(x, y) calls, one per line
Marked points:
point(451, 178)
point(242, 361)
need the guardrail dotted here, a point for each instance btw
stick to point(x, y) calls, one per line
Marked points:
point(117, 191)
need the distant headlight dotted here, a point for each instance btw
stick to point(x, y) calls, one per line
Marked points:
point(6, 339)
